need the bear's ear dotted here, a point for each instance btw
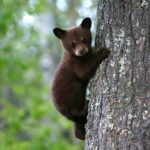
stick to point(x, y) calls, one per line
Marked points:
point(86, 23)
point(59, 33)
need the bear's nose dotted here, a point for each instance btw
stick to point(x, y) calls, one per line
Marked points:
point(81, 51)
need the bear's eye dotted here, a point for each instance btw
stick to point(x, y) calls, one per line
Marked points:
point(83, 41)
point(73, 44)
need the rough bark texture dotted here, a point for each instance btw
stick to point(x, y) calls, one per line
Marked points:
point(119, 109)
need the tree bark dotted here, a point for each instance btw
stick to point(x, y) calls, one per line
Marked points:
point(119, 109)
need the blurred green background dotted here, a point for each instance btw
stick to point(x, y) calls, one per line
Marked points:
point(29, 53)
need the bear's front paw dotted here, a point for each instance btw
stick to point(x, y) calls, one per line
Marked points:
point(106, 51)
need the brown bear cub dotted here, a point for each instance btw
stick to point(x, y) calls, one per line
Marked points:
point(73, 73)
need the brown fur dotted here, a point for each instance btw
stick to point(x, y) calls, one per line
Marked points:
point(75, 69)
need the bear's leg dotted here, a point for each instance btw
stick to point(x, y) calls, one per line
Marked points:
point(81, 112)
point(80, 130)
point(79, 123)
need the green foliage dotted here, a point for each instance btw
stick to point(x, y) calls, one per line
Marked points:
point(28, 120)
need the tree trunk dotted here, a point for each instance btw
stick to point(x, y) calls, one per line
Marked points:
point(119, 109)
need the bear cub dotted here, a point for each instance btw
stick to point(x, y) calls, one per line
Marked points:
point(73, 73)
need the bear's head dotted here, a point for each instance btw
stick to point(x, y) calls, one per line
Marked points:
point(76, 40)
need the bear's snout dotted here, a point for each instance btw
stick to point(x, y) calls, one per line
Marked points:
point(81, 50)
